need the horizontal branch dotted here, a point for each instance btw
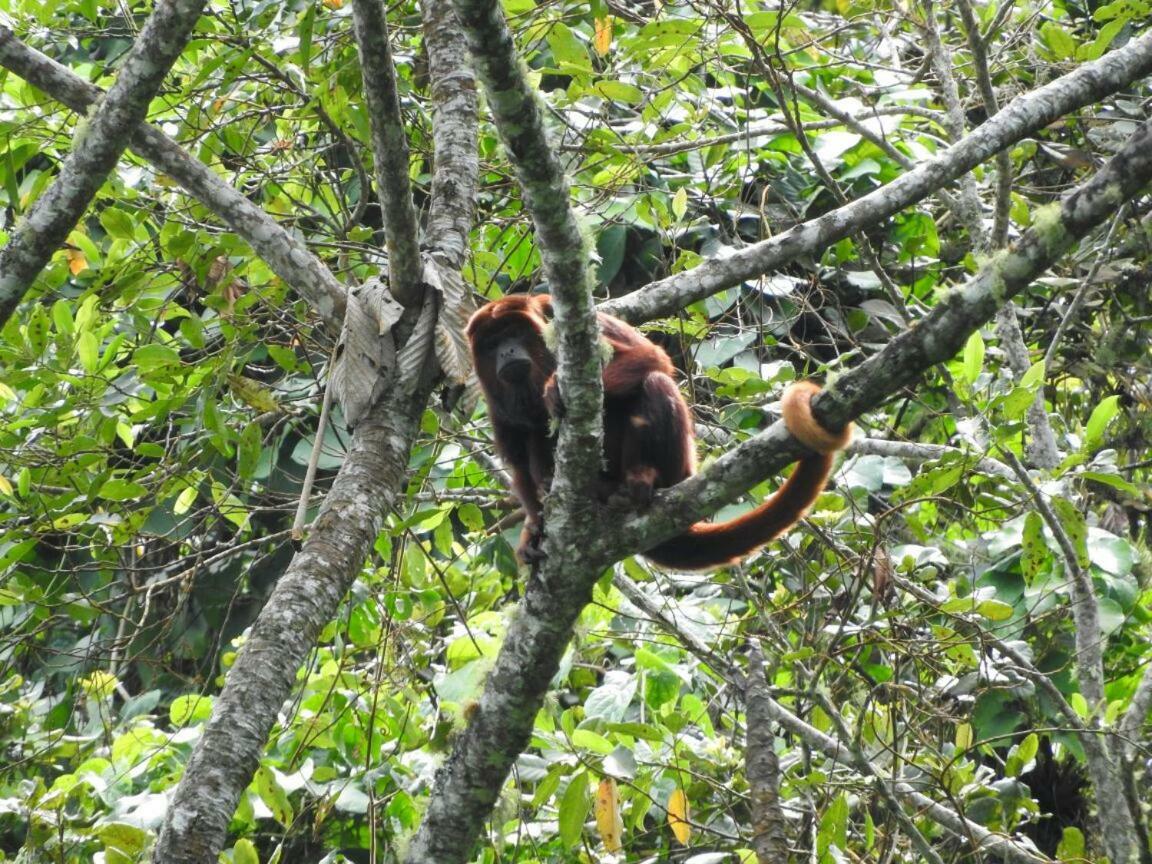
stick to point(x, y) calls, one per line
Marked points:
point(1024, 116)
point(937, 337)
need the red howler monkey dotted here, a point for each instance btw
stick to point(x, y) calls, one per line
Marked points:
point(649, 441)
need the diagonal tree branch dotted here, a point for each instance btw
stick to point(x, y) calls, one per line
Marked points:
point(1083, 86)
point(469, 782)
point(389, 150)
point(285, 254)
point(520, 122)
point(98, 145)
point(938, 336)
point(373, 476)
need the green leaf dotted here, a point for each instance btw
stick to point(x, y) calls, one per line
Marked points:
point(244, 852)
point(273, 795)
point(994, 610)
point(189, 710)
point(88, 351)
point(1059, 41)
point(619, 91)
point(1034, 544)
point(574, 807)
point(116, 489)
point(1071, 847)
point(1102, 415)
point(150, 357)
point(567, 49)
point(973, 361)
point(1072, 521)
point(62, 317)
point(118, 224)
point(248, 453)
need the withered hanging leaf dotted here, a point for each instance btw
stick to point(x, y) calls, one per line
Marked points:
point(603, 38)
point(456, 307)
point(77, 262)
point(366, 352)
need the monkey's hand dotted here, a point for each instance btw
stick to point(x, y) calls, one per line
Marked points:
point(552, 400)
point(530, 551)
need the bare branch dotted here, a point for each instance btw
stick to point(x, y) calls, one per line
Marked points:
point(389, 151)
point(1086, 84)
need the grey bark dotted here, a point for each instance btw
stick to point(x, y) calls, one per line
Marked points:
point(769, 827)
point(390, 155)
point(305, 598)
point(98, 145)
point(520, 121)
point(286, 255)
point(467, 785)
point(1086, 84)
point(374, 473)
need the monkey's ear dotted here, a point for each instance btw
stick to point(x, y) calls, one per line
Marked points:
point(543, 304)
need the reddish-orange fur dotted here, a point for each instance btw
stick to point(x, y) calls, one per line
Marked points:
point(649, 441)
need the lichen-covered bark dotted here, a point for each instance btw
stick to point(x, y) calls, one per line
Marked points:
point(769, 827)
point(468, 784)
point(453, 131)
point(940, 335)
point(98, 143)
point(305, 598)
point(1087, 84)
point(520, 122)
point(287, 256)
point(389, 151)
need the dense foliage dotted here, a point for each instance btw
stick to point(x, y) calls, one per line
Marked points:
point(159, 394)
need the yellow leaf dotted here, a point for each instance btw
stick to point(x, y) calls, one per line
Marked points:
point(333, 4)
point(603, 39)
point(963, 736)
point(77, 263)
point(678, 816)
point(608, 820)
point(6, 485)
point(253, 393)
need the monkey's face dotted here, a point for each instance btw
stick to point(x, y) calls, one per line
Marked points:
point(513, 361)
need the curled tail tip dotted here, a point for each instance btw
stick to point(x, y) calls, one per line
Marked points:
point(796, 405)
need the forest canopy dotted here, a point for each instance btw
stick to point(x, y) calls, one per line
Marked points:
point(260, 599)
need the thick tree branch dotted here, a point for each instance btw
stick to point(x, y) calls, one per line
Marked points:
point(389, 151)
point(941, 334)
point(306, 597)
point(1087, 84)
point(520, 122)
point(762, 766)
point(287, 256)
point(454, 124)
point(98, 145)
